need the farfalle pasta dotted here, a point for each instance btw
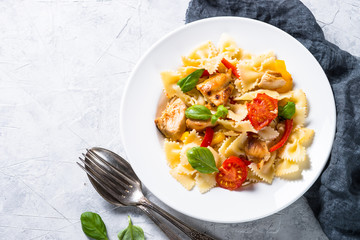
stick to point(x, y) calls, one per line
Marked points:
point(232, 119)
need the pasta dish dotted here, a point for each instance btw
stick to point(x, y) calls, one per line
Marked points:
point(232, 118)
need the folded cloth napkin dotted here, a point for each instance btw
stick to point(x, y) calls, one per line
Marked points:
point(335, 197)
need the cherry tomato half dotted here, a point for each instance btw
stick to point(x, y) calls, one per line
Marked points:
point(262, 110)
point(232, 174)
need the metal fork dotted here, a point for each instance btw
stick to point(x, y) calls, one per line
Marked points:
point(111, 199)
point(122, 184)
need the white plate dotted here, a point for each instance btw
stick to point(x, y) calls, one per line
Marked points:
point(144, 145)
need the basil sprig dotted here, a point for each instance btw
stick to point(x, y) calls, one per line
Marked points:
point(189, 82)
point(198, 112)
point(131, 232)
point(93, 226)
point(287, 111)
point(201, 159)
point(220, 112)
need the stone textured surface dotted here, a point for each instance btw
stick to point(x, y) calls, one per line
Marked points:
point(63, 67)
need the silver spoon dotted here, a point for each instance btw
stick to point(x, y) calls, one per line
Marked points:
point(120, 186)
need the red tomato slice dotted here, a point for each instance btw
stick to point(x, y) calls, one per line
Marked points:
point(232, 174)
point(246, 162)
point(262, 110)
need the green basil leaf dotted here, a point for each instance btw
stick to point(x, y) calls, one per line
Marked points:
point(189, 82)
point(198, 112)
point(287, 111)
point(220, 112)
point(201, 159)
point(93, 226)
point(214, 119)
point(131, 232)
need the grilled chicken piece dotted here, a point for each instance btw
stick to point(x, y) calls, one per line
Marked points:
point(199, 125)
point(171, 123)
point(271, 80)
point(256, 150)
point(217, 88)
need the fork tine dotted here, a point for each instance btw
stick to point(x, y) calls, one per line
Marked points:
point(104, 172)
point(109, 180)
point(102, 183)
point(99, 176)
point(108, 172)
point(103, 177)
point(112, 167)
point(109, 165)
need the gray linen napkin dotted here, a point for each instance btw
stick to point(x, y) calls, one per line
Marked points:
point(335, 197)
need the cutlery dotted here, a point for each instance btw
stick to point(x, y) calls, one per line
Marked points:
point(108, 197)
point(120, 185)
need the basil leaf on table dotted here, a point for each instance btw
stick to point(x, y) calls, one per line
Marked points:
point(201, 159)
point(131, 232)
point(93, 226)
point(198, 112)
point(287, 111)
point(220, 112)
point(189, 82)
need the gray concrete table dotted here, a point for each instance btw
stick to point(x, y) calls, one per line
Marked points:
point(63, 67)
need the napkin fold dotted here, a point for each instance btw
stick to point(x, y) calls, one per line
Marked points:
point(335, 197)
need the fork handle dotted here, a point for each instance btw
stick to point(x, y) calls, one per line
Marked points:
point(168, 232)
point(189, 231)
